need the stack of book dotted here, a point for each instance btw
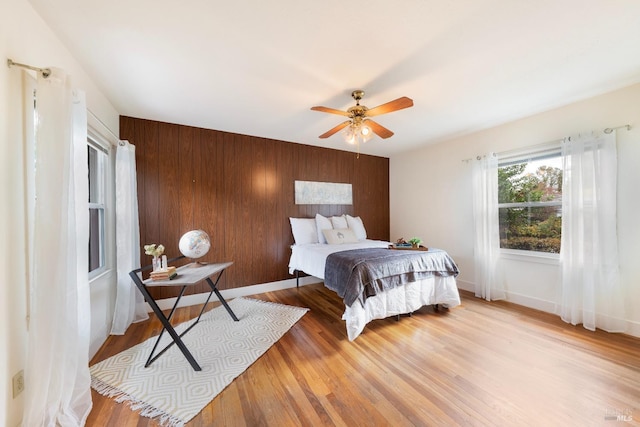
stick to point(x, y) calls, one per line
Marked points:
point(164, 274)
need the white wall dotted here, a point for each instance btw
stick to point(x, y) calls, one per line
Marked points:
point(430, 194)
point(25, 38)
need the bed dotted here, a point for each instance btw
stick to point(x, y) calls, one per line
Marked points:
point(374, 281)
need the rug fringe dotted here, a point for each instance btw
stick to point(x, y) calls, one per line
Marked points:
point(145, 410)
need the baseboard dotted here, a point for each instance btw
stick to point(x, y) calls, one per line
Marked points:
point(98, 340)
point(195, 299)
point(632, 327)
point(531, 302)
point(465, 286)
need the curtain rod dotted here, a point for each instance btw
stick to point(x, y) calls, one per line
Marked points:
point(606, 130)
point(120, 141)
point(46, 72)
point(609, 130)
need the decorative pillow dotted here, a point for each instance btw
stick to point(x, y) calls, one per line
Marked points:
point(339, 222)
point(322, 223)
point(357, 226)
point(304, 230)
point(338, 236)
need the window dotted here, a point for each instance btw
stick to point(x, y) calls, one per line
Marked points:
point(97, 159)
point(530, 201)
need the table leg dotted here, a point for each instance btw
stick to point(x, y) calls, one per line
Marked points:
point(168, 327)
point(214, 288)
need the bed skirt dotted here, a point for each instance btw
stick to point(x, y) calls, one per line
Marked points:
point(401, 300)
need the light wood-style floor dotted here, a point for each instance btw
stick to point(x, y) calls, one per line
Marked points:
point(479, 364)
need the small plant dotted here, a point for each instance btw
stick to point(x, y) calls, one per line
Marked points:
point(415, 241)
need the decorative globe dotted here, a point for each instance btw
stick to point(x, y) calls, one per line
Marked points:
point(194, 244)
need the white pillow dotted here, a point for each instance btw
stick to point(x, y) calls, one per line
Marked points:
point(357, 226)
point(304, 230)
point(322, 223)
point(339, 222)
point(338, 236)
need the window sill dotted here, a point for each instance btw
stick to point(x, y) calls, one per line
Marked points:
point(98, 274)
point(530, 256)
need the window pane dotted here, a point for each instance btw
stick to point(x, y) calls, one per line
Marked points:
point(532, 181)
point(96, 175)
point(96, 238)
point(531, 228)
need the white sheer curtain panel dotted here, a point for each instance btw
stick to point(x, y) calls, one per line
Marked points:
point(57, 375)
point(487, 236)
point(591, 290)
point(130, 306)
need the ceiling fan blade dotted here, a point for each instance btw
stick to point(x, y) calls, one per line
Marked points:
point(397, 104)
point(379, 130)
point(330, 110)
point(341, 126)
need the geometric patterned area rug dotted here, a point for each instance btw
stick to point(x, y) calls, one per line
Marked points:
point(170, 390)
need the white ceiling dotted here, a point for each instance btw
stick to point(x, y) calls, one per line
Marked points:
point(256, 67)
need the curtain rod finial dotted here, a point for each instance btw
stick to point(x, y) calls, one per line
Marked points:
point(609, 130)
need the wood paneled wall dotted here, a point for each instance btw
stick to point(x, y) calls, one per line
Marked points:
point(240, 190)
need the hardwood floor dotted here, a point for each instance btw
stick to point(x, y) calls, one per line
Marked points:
point(479, 364)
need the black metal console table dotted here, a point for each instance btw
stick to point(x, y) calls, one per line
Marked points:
point(188, 275)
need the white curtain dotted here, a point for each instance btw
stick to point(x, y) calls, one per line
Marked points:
point(486, 234)
point(591, 288)
point(130, 306)
point(58, 389)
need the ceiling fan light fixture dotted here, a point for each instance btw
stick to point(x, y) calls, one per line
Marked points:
point(350, 135)
point(357, 134)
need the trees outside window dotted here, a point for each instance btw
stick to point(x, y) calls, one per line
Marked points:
point(530, 203)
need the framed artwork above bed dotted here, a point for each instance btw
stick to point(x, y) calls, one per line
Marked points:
point(322, 193)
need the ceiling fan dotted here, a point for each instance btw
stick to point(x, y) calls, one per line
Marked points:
point(360, 125)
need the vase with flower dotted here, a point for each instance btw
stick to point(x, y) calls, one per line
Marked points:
point(156, 252)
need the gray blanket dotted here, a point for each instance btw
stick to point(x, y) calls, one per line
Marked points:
point(358, 274)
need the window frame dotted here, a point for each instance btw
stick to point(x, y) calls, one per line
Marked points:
point(102, 159)
point(535, 153)
point(95, 141)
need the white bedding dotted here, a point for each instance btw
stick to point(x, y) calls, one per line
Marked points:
point(311, 258)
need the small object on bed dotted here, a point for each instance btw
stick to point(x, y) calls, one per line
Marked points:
point(339, 236)
point(407, 247)
point(413, 243)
